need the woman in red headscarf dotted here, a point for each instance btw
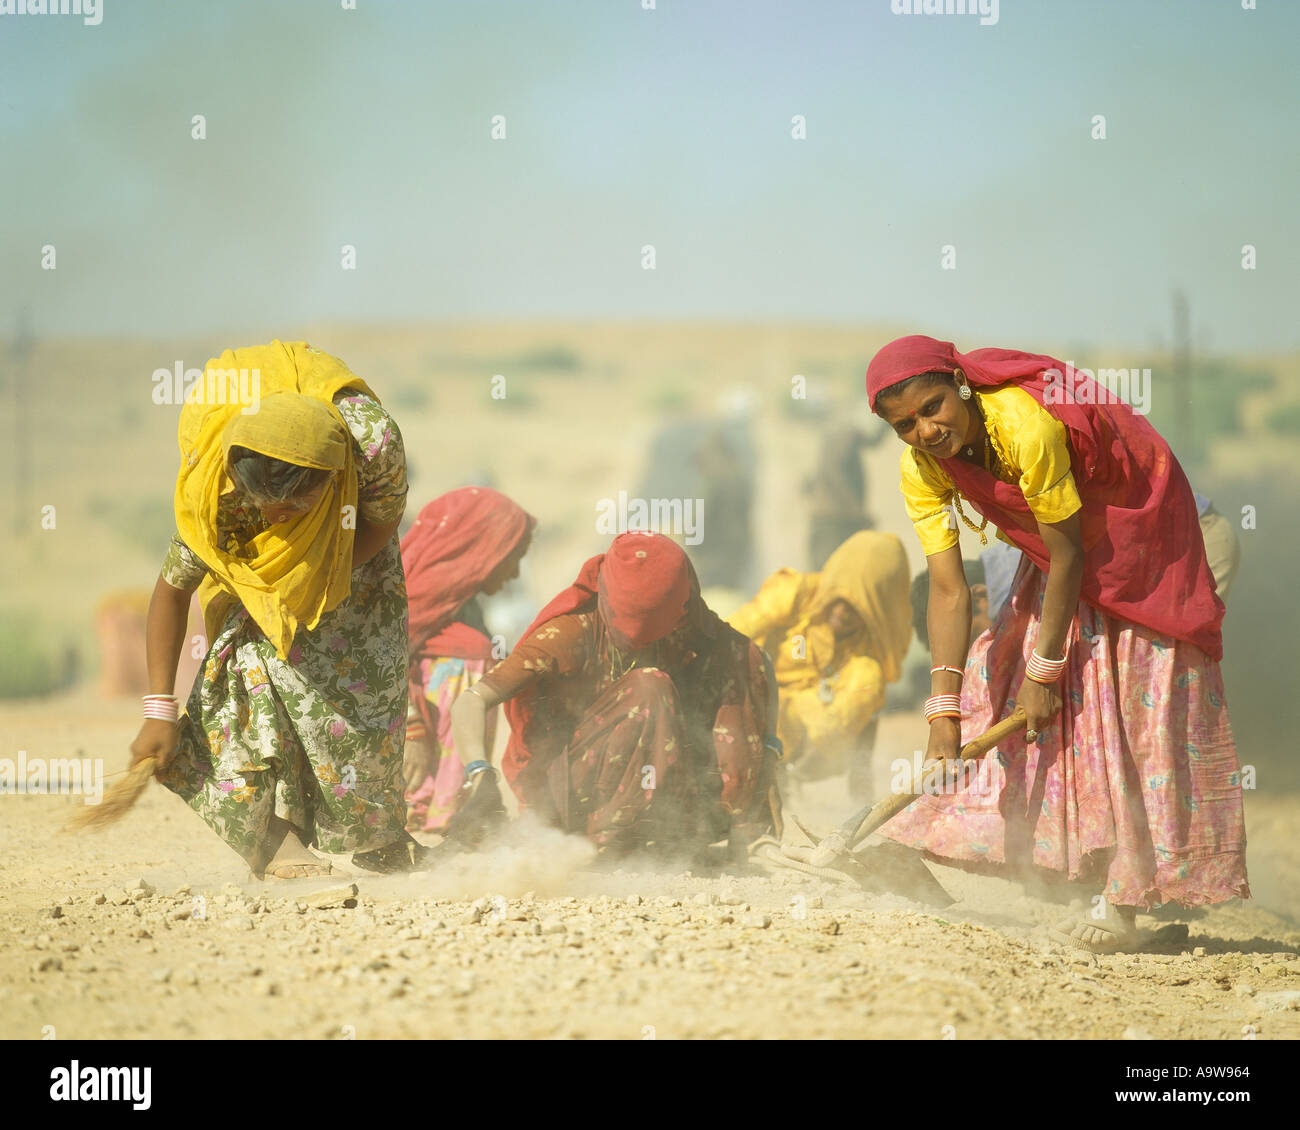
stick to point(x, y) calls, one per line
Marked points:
point(465, 543)
point(1126, 776)
point(636, 714)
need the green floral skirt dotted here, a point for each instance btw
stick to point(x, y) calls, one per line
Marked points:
point(315, 739)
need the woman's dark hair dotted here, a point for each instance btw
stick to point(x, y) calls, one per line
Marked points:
point(267, 481)
point(921, 380)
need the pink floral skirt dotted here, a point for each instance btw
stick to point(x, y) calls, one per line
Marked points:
point(433, 802)
point(1135, 785)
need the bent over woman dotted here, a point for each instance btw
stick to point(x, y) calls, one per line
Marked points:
point(836, 639)
point(465, 543)
point(1126, 776)
point(286, 512)
point(636, 715)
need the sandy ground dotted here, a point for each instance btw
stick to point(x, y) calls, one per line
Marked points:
point(154, 929)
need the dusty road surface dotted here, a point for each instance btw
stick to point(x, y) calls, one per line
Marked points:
point(155, 929)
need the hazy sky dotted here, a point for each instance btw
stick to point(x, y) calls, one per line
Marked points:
point(669, 127)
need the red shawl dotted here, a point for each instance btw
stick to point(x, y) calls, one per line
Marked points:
point(644, 586)
point(456, 542)
point(1144, 556)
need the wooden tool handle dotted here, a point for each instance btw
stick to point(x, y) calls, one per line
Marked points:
point(994, 734)
point(890, 807)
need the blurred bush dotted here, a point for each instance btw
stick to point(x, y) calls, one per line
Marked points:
point(1285, 420)
point(31, 664)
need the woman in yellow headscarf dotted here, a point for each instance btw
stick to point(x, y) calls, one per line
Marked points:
point(835, 639)
point(291, 488)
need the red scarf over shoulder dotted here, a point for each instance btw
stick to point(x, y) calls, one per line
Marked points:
point(1144, 556)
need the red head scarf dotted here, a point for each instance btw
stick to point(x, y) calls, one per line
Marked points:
point(642, 598)
point(1144, 556)
point(644, 585)
point(456, 542)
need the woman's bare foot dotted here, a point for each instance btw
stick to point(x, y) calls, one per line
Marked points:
point(1116, 930)
point(290, 857)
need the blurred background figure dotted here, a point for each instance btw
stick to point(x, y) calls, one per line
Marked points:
point(711, 458)
point(836, 638)
point(982, 612)
point(1222, 547)
point(837, 491)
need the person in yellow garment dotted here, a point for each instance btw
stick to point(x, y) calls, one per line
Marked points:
point(287, 513)
point(836, 638)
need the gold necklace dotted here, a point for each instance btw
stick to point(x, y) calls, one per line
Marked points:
point(956, 494)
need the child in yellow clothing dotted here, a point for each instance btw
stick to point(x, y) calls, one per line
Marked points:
point(836, 638)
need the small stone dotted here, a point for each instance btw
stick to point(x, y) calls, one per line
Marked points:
point(633, 900)
point(162, 976)
point(704, 899)
point(238, 922)
point(47, 964)
point(332, 897)
point(1199, 951)
point(1244, 990)
point(100, 899)
point(117, 897)
point(829, 926)
point(758, 921)
point(552, 926)
point(183, 891)
point(1288, 999)
point(815, 902)
point(730, 898)
point(55, 911)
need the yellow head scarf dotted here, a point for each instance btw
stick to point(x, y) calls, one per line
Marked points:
point(298, 570)
point(870, 572)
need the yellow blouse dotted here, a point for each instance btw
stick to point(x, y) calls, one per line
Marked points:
point(1030, 444)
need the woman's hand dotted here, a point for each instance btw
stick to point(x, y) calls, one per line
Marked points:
point(945, 739)
point(157, 739)
point(1041, 703)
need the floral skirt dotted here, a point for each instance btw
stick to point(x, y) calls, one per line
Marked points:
point(433, 801)
point(1135, 786)
point(315, 739)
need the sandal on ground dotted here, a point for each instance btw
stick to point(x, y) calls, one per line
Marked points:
point(1119, 934)
point(298, 869)
point(405, 854)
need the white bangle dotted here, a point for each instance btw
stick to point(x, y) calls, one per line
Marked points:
point(163, 706)
point(1042, 670)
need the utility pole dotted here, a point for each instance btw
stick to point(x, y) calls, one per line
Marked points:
point(19, 352)
point(1182, 372)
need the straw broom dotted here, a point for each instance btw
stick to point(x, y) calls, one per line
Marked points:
point(117, 801)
